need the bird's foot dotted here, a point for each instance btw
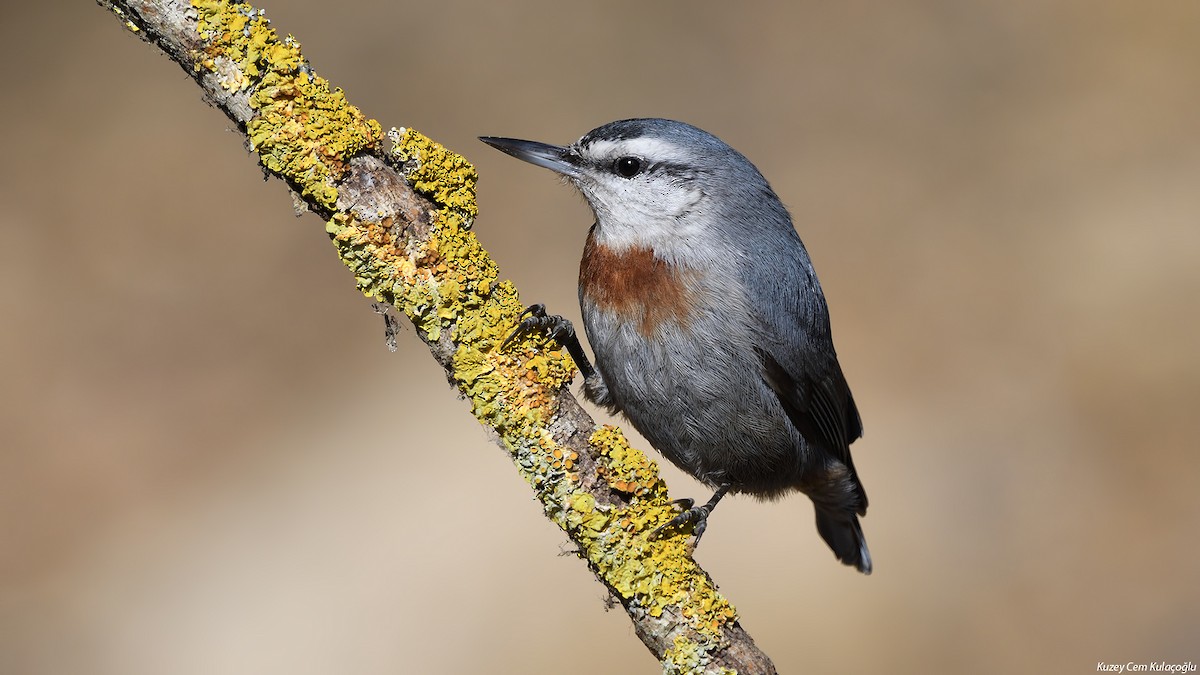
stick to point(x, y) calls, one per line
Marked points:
point(557, 329)
point(535, 318)
point(696, 516)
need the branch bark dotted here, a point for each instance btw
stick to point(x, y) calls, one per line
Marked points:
point(398, 208)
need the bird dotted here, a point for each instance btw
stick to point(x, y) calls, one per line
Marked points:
point(709, 329)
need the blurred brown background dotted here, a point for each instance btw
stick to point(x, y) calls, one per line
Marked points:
point(210, 462)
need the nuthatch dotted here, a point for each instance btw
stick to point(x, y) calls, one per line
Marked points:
point(708, 325)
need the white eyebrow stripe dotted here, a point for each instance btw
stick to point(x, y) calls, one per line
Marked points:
point(653, 149)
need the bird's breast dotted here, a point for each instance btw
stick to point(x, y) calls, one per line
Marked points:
point(636, 287)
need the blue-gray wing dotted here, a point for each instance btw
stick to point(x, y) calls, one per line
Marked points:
point(799, 361)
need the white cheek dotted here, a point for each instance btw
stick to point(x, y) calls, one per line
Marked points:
point(637, 203)
point(663, 222)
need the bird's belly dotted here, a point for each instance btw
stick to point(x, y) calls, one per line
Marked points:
point(700, 401)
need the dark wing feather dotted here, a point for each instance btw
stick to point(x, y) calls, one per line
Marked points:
point(819, 408)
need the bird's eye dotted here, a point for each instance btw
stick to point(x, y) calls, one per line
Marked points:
point(627, 166)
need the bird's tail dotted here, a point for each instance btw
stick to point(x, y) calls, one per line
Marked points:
point(845, 536)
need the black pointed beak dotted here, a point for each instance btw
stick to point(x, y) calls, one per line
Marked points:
point(554, 157)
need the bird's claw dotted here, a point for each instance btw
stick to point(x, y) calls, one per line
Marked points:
point(696, 515)
point(534, 318)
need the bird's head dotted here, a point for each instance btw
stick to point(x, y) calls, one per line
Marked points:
point(653, 183)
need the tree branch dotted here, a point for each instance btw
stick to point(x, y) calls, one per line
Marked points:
point(398, 208)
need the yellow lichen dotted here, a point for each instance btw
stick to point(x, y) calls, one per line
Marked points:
point(653, 574)
point(686, 657)
point(128, 24)
point(445, 177)
point(303, 130)
point(308, 133)
point(626, 470)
